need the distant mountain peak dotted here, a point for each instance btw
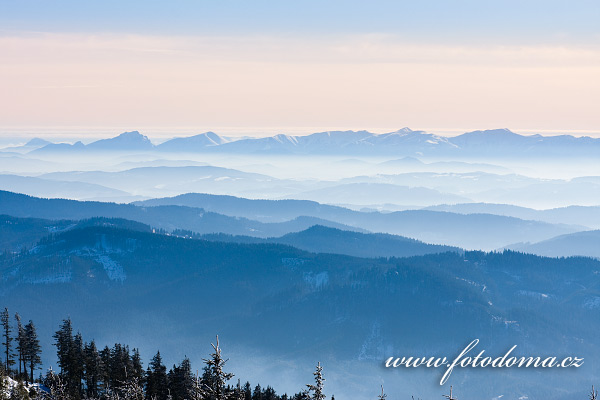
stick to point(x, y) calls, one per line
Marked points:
point(197, 142)
point(37, 142)
point(404, 130)
point(495, 132)
point(132, 135)
point(132, 140)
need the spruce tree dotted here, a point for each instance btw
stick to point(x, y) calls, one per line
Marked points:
point(157, 384)
point(382, 395)
point(105, 370)
point(63, 340)
point(92, 368)
point(20, 343)
point(257, 394)
point(317, 388)
point(215, 378)
point(136, 363)
point(32, 350)
point(247, 391)
point(181, 381)
point(269, 394)
point(19, 392)
point(58, 388)
point(69, 350)
point(131, 388)
point(6, 330)
point(77, 366)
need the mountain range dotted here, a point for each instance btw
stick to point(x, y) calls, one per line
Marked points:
point(470, 231)
point(401, 142)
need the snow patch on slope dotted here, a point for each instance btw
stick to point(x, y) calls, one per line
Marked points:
point(113, 269)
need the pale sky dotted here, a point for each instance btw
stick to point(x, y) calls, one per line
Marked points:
point(530, 65)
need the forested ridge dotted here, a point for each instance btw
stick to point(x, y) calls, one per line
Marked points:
point(275, 301)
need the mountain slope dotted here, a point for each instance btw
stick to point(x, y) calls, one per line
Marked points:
point(125, 141)
point(588, 216)
point(258, 209)
point(162, 217)
point(322, 239)
point(474, 231)
point(165, 180)
point(378, 193)
point(195, 143)
point(35, 186)
point(585, 243)
point(276, 301)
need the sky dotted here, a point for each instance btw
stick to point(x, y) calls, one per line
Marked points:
point(266, 66)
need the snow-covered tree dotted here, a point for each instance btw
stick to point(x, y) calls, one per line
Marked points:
point(214, 379)
point(382, 395)
point(58, 387)
point(19, 392)
point(316, 391)
point(131, 388)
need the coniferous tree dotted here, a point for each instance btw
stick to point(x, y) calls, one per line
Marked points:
point(120, 364)
point(257, 394)
point(269, 394)
point(317, 388)
point(247, 391)
point(77, 366)
point(63, 340)
point(19, 392)
point(69, 350)
point(214, 379)
point(32, 350)
point(131, 388)
point(58, 388)
point(105, 370)
point(137, 367)
point(157, 384)
point(382, 395)
point(181, 381)
point(92, 368)
point(20, 343)
point(3, 385)
point(149, 388)
point(6, 330)
point(239, 391)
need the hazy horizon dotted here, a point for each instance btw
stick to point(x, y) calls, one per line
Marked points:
point(13, 136)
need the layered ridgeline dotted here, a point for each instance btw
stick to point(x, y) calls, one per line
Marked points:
point(470, 231)
point(280, 308)
point(372, 188)
point(394, 171)
point(490, 143)
point(20, 234)
point(585, 243)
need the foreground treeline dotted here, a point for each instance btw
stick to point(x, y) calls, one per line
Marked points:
point(87, 372)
